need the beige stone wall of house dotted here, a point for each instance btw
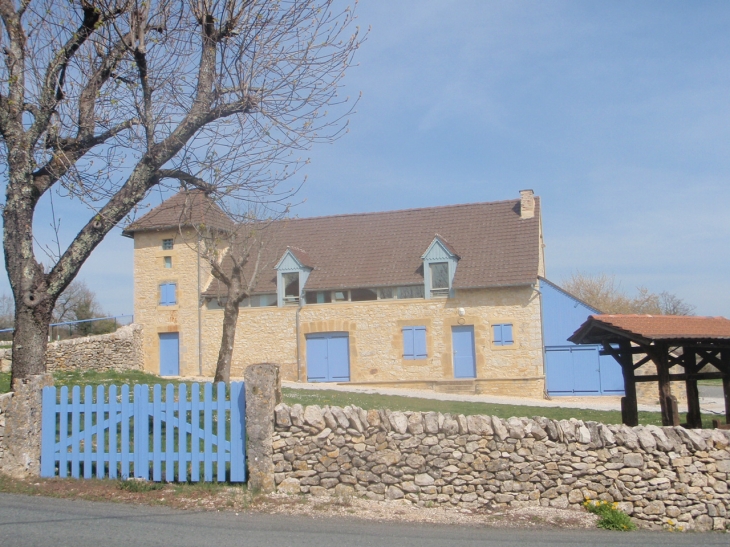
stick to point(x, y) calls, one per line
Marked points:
point(375, 338)
point(149, 273)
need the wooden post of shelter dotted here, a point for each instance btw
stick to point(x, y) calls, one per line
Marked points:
point(694, 416)
point(725, 362)
point(661, 359)
point(629, 404)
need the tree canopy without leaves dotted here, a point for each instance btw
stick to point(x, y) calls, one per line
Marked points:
point(102, 101)
point(606, 295)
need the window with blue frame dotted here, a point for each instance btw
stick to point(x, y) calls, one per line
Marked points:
point(414, 343)
point(502, 334)
point(168, 294)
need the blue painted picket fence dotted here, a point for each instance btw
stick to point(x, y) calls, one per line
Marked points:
point(180, 436)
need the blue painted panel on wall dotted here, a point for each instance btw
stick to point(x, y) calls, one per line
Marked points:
point(317, 359)
point(463, 346)
point(561, 314)
point(338, 354)
point(559, 365)
point(169, 354)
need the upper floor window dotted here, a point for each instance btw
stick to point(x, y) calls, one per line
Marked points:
point(167, 261)
point(439, 268)
point(166, 244)
point(502, 334)
point(439, 275)
point(414, 343)
point(168, 294)
point(291, 286)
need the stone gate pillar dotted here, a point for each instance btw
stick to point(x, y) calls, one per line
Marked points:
point(263, 393)
point(22, 441)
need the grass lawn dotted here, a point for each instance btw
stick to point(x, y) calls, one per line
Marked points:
point(395, 402)
point(717, 382)
point(364, 400)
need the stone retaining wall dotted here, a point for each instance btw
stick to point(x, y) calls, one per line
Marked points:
point(118, 351)
point(660, 476)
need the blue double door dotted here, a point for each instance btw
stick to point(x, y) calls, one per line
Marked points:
point(328, 357)
point(582, 370)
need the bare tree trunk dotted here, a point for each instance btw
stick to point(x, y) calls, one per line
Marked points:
point(30, 341)
point(225, 354)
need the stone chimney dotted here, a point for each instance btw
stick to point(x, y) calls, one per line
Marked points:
point(527, 204)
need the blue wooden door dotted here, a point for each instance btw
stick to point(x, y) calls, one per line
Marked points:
point(559, 371)
point(586, 371)
point(612, 377)
point(462, 340)
point(328, 357)
point(169, 354)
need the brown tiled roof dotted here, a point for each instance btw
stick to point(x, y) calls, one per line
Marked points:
point(598, 328)
point(191, 208)
point(496, 247)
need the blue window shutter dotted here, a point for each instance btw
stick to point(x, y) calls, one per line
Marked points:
point(167, 294)
point(408, 348)
point(419, 342)
point(507, 335)
point(497, 331)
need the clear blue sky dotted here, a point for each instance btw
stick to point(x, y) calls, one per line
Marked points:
point(616, 113)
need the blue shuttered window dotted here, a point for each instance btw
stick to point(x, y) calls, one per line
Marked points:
point(168, 294)
point(414, 343)
point(502, 334)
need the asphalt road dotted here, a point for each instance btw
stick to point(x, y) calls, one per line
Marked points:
point(711, 391)
point(40, 522)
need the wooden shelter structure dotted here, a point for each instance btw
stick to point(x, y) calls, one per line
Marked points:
point(688, 343)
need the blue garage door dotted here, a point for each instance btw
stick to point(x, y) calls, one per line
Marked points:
point(581, 370)
point(328, 357)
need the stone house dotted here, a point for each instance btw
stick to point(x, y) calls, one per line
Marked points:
point(445, 298)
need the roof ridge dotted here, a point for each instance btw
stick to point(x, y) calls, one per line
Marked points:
point(409, 210)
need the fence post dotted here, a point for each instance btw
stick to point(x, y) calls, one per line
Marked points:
point(23, 427)
point(263, 393)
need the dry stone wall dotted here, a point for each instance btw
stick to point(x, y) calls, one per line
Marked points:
point(662, 477)
point(118, 351)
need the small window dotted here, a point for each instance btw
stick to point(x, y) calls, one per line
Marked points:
point(341, 296)
point(318, 297)
point(358, 295)
point(502, 334)
point(291, 285)
point(414, 343)
point(414, 291)
point(439, 275)
point(168, 261)
point(263, 300)
point(386, 293)
point(168, 294)
point(166, 244)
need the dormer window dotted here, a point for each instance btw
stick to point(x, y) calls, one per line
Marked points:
point(292, 272)
point(291, 286)
point(439, 277)
point(439, 268)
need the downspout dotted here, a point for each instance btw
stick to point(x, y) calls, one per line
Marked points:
point(542, 342)
point(299, 357)
point(200, 319)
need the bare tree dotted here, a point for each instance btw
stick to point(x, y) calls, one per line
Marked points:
point(235, 260)
point(102, 101)
point(605, 294)
point(76, 301)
